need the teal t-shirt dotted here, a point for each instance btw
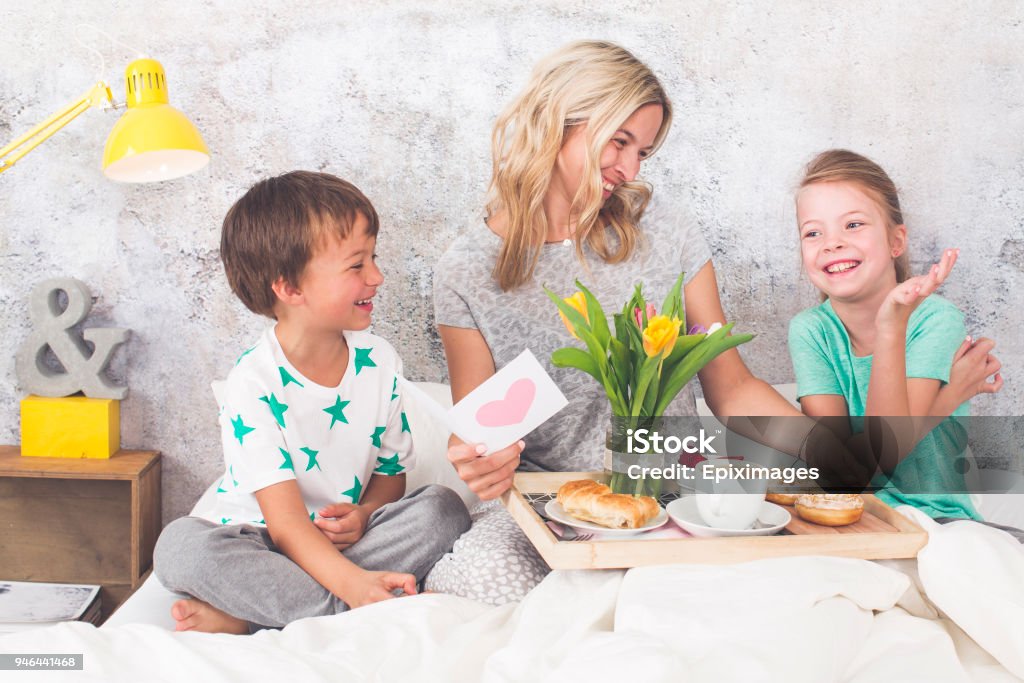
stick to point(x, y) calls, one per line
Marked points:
point(824, 363)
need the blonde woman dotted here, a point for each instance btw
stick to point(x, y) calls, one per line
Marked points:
point(565, 203)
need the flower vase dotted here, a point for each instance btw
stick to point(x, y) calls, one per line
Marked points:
point(623, 468)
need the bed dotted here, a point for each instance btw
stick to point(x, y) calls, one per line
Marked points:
point(954, 614)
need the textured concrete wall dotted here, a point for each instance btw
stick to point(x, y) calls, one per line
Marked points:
point(401, 96)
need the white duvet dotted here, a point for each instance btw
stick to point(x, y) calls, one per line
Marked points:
point(957, 614)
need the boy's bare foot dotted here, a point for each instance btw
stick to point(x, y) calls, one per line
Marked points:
point(196, 615)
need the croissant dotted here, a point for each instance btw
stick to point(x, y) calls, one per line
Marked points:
point(594, 502)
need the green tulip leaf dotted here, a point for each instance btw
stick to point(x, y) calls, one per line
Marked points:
point(709, 349)
point(621, 365)
point(572, 357)
point(672, 306)
point(598, 319)
point(648, 370)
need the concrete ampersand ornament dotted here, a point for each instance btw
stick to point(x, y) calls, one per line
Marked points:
point(51, 327)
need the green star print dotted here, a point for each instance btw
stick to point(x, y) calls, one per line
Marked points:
point(287, 379)
point(405, 424)
point(355, 491)
point(244, 354)
point(241, 429)
point(337, 411)
point(276, 407)
point(287, 464)
point(363, 359)
point(375, 437)
point(388, 466)
point(312, 458)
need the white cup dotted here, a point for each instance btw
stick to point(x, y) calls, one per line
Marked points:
point(730, 503)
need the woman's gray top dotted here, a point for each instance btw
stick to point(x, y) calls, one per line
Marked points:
point(467, 296)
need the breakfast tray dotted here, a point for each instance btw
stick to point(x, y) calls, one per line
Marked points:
point(881, 533)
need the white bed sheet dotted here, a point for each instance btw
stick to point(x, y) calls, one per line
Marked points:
point(952, 615)
point(808, 619)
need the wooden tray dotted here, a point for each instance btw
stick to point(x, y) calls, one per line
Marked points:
point(881, 533)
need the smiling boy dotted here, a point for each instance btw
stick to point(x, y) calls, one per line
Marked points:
point(316, 444)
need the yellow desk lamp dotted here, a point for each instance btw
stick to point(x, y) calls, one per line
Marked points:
point(152, 141)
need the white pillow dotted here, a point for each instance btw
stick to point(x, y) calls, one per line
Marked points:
point(430, 443)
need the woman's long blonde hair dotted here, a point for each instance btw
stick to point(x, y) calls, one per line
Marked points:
point(586, 82)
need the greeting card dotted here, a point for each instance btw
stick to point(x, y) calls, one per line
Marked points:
point(505, 408)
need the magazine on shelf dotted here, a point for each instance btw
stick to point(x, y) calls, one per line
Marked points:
point(30, 604)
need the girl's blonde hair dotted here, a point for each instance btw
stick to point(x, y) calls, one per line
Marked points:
point(842, 165)
point(587, 82)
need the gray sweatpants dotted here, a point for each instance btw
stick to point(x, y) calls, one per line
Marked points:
point(238, 569)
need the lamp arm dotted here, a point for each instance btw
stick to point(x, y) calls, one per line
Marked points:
point(97, 96)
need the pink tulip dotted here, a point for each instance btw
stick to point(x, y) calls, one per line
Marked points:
point(651, 312)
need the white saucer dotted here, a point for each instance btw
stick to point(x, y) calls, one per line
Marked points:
point(554, 511)
point(770, 520)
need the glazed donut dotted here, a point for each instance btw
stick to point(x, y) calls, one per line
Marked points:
point(781, 498)
point(830, 509)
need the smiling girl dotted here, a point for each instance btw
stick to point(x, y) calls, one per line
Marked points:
point(881, 343)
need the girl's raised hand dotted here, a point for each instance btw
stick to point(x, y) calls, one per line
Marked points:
point(909, 294)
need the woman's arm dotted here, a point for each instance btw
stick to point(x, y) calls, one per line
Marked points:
point(734, 395)
point(729, 387)
point(470, 363)
point(469, 359)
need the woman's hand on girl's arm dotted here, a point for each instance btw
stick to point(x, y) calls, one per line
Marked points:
point(973, 365)
point(292, 531)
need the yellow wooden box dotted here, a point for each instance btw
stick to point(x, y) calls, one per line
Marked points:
point(70, 427)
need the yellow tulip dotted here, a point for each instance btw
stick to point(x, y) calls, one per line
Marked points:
point(579, 302)
point(660, 335)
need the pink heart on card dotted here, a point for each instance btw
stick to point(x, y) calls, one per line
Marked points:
point(509, 410)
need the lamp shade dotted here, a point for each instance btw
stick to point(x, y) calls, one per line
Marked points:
point(152, 141)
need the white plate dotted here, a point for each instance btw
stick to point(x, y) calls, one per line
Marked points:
point(554, 511)
point(770, 520)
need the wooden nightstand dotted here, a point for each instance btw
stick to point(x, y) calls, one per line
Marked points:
point(80, 520)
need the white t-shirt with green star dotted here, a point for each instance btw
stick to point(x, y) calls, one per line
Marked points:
point(278, 425)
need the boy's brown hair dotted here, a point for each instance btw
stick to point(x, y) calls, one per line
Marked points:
point(273, 230)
